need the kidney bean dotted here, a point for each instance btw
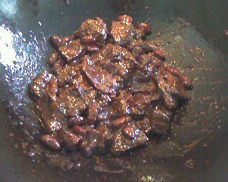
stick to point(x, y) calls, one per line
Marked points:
point(56, 41)
point(53, 85)
point(88, 40)
point(91, 48)
point(79, 130)
point(156, 63)
point(66, 40)
point(50, 142)
point(159, 54)
point(125, 18)
point(117, 123)
point(77, 120)
point(53, 58)
point(186, 82)
point(172, 71)
point(144, 27)
point(129, 131)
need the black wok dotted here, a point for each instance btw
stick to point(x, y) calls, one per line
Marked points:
point(197, 148)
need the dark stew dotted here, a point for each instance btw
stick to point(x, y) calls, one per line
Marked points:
point(109, 89)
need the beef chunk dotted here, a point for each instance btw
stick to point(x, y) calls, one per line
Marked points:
point(67, 73)
point(57, 67)
point(159, 120)
point(98, 110)
point(72, 51)
point(95, 27)
point(104, 137)
point(145, 46)
point(70, 102)
point(81, 85)
point(120, 107)
point(139, 104)
point(48, 111)
point(89, 142)
point(45, 83)
point(144, 125)
point(68, 139)
point(99, 78)
point(170, 88)
point(116, 60)
point(127, 138)
point(122, 32)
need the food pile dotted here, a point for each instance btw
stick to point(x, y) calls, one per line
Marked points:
point(108, 89)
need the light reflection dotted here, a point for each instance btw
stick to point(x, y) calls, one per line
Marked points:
point(7, 53)
point(8, 7)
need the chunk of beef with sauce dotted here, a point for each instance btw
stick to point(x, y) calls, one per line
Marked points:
point(122, 32)
point(98, 110)
point(95, 27)
point(144, 125)
point(126, 138)
point(144, 45)
point(120, 106)
point(90, 142)
point(67, 73)
point(116, 60)
point(104, 138)
point(70, 102)
point(159, 120)
point(68, 139)
point(44, 83)
point(48, 111)
point(72, 51)
point(170, 88)
point(100, 78)
point(58, 66)
point(139, 104)
point(82, 85)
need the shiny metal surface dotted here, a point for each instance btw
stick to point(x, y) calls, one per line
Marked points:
point(196, 151)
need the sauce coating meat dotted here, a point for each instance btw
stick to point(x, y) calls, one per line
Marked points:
point(108, 89)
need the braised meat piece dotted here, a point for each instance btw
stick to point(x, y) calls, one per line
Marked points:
point(116, 60)
point(145, 46)
point(120, 106)
point(95, 27)
point(58, 66)
point(81, 84)
point(104, 138)
point(68, 139)
point(122, 32)
point(100, 78)
point(126, 138)
point(139, 104)
point(70, 103)
point(72, 51)
point(89, 142)
point(67, 73)
point(170, 88)
point(159, 119)
point(44, 83)
point(144, 125)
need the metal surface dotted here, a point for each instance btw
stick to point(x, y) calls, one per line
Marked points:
point(197, 149)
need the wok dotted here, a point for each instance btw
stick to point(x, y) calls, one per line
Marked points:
point(192, 33)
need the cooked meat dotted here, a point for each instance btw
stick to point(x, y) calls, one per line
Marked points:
point(108, 92)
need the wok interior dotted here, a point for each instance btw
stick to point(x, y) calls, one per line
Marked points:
point(198, 143)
